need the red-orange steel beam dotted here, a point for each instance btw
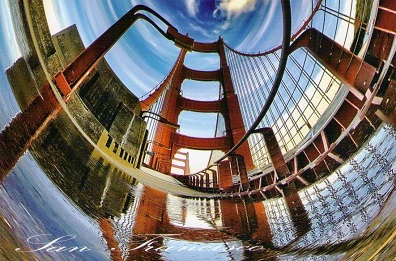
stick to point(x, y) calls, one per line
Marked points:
point(298, 214)
point(178, 167)
point(345, 65)
point(275, 153)
point(241, 142)
point(174, 103)
point(206, 47)
point(386, 20)
point(201, 75)
point(201, 181)
point(234, 218)
point(388, 4)
point(150, 100)
point(207, 181)
point(108, 233)
point(241, 167)
point(215, 183)
point(88, 59)
point(185, 161)
point(183, 41)
point(225, 176)
point(263, 233)
point(217, 143)
point(235, 126)
point(201, 106)
point(380, 44)
point(170, 112)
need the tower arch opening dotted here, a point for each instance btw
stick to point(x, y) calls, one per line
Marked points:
point(200, 90)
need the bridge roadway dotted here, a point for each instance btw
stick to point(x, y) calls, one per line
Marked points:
point(163, 182)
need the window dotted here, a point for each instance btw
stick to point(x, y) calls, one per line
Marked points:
point(109, 141)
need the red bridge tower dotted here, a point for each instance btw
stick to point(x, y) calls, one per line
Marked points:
point(168, 141)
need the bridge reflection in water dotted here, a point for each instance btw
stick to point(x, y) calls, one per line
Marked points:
point(117, 217)
point(71, 187)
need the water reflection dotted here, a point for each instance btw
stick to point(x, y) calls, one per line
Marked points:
point(66, 200)
point(318, 221)
point(75, 192)
point(97, 186)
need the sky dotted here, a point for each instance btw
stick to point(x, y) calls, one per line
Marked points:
point(8, 54)
point(143, 57)
point(243, 24)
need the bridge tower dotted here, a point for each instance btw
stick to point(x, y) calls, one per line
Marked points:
point(168, 141)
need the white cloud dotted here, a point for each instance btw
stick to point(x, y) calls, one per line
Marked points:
point(234, 8)
point(192, 7)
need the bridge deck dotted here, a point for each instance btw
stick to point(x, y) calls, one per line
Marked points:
point(164, 182)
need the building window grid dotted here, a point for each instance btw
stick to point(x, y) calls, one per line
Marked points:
point(288, 131)
point(249, 98)
point(335, 202)
point(315, 106)
point(339, 15)
point(244, 92)
point(317, 67)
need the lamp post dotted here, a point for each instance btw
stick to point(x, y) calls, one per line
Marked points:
point(159, 118)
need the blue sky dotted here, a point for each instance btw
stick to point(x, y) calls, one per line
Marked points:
point(243, 24)
point(143, 57)
point(9, 53)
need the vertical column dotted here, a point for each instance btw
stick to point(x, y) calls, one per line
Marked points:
point(207, 184)
point(276, 156)
point(234, 122)
point(213, 174)
point(201, 181)
point(225, 177)
point(298, 214)
point(164, 144)
point(150, 212)
point(233, 217)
